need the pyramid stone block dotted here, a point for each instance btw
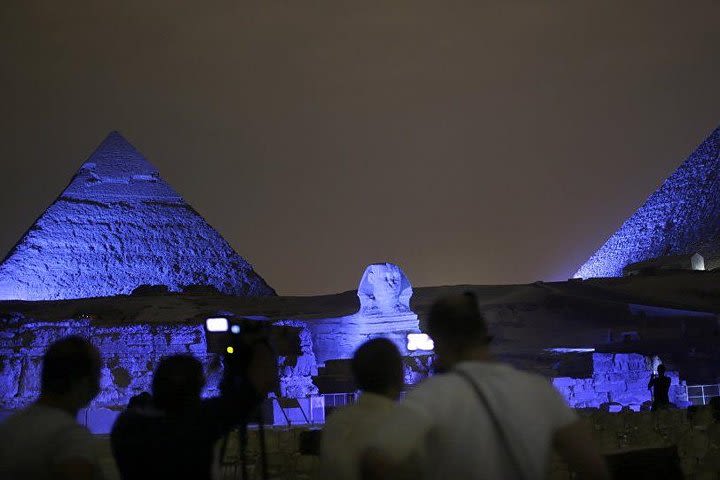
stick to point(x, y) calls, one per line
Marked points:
point(117, 226)
point(681, 218)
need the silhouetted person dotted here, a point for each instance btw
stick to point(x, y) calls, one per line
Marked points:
point(175, 437)
point(480, 418)
point(44, 440)
point(715, 408)
point(378, 370)
point(660, 386)
point(141, 400)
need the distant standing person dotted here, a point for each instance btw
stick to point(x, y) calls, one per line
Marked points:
point(660, 386)
point(44, 441)
point(479, 418)
point(378, 371)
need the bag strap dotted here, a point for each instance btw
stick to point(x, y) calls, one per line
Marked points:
point(495, 421)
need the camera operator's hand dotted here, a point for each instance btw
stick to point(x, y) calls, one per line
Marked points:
point(263, 370)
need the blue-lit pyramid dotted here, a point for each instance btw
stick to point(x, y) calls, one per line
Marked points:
point(117, 226)
point(681, 217)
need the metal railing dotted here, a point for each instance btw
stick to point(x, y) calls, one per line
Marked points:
point(701, 394)
point(335, 400)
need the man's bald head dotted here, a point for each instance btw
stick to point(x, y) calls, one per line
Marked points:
point(456, 320)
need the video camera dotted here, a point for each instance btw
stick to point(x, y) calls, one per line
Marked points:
point(236, 339)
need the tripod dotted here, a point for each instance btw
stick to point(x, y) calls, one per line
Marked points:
point(242, 432)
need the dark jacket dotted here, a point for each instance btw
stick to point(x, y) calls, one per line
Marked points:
point(150, 444)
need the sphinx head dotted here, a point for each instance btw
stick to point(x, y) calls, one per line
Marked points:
point(384, 290)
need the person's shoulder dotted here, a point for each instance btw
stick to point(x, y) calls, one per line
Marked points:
point(10, 425)
point(432, 392)
point(76, 431)
point(530, 383)
point(511, 373)
point(125, 418)
point(36, 417)
point(342, 415)
point(436, 382)
point(132, 419)
point(428, 386)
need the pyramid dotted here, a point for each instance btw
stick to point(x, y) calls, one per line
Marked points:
point(117, 226)
point(682, 217)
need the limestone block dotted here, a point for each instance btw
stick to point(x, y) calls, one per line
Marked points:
point(307, 464)
point(118, 225)
point(692, 447)
point(10, 369)
point(286, 440)
point(30, 378)
point(672, 220)
point(615, 387)
point(563, 382)
point(272, 440)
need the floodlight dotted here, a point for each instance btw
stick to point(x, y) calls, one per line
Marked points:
point(419, 341)
point(218, 324)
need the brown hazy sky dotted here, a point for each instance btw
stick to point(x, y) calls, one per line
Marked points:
point(469, 142)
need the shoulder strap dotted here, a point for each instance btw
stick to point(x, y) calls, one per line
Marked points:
point(495, 421)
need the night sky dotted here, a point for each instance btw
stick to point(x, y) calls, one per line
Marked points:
point(468, 142)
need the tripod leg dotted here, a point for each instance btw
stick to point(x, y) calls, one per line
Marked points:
point(243, 450)
point(263, 453)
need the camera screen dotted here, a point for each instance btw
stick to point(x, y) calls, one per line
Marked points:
point(216, 324)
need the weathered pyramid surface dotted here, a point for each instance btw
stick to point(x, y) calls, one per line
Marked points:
point(117, 226)
point(681, 217)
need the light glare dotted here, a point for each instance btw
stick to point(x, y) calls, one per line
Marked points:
point(570, 350)
point(419, 341)
point(219, 324)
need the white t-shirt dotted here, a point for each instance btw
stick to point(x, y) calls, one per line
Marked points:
point(38, 437)
point(443, 424)
point(346, 435)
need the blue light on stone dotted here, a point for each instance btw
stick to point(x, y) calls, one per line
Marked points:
point(118, 226)
point(384, 293)
point(621, 379)
point(570, 350)
point(681, 218)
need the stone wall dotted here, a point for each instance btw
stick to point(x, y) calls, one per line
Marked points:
point(696, 436)
point(130, 354)
point(618, 378)
point(693, 431)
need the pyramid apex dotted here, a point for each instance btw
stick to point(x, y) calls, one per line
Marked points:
point(115, 134)
point(115, 145)
point(118, 226)
point(117, 170)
